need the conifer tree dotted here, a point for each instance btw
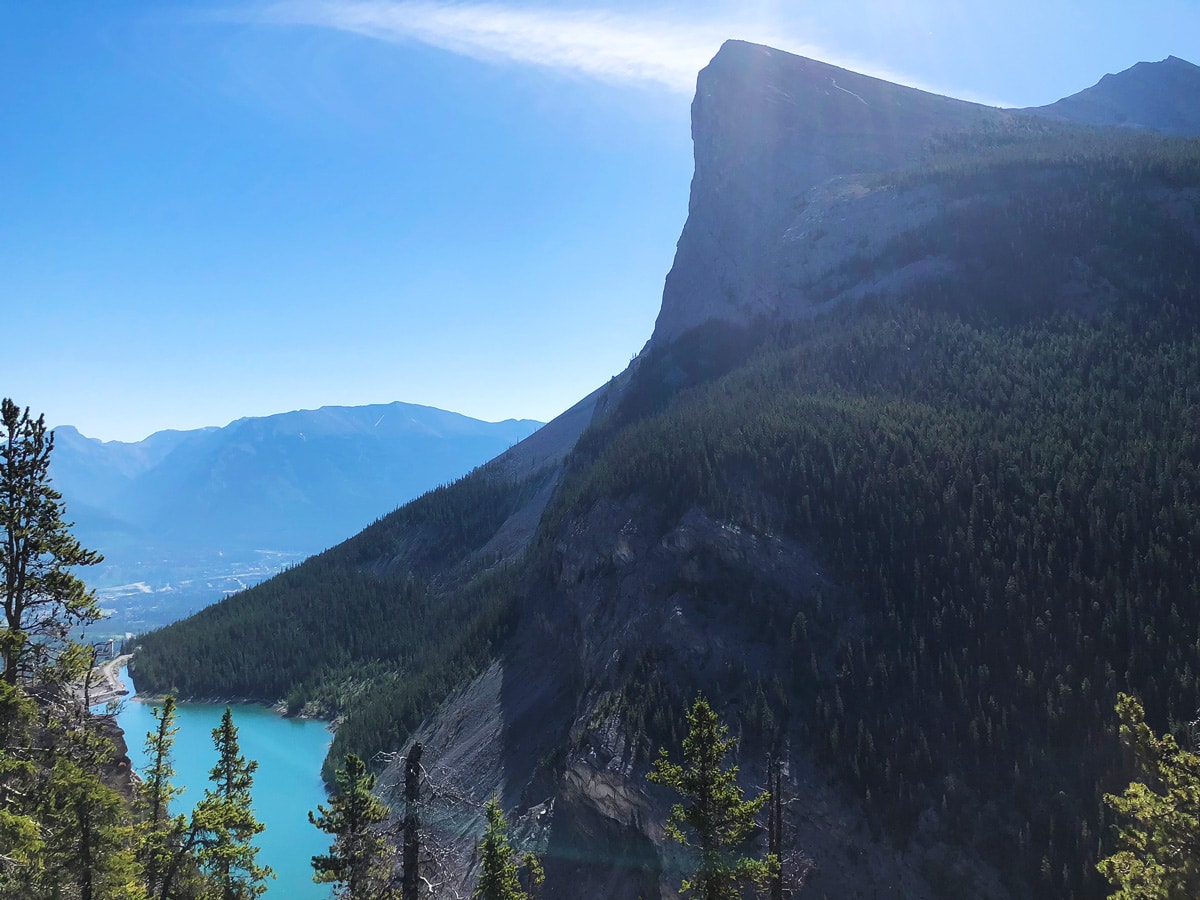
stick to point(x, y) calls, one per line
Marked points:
point(161, 832)
point(1159, 855)
point(225, 821)
point(62, 830)
point(713, 810)
point(84, 841)
point(89, 839)
point(359, 861)
point(499, 877)
point(42, 597)
point(21, 841)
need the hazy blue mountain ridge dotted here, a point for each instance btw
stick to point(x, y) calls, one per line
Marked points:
point(187, 506)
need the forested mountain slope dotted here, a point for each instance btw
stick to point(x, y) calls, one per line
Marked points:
point(911, 525)
point(383, 625)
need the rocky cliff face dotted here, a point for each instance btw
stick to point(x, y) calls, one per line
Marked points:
point(793, 166)
point(781, 145)
point(543, 728)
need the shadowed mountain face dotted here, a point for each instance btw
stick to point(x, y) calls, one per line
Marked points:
point(904, 482)
point(198, 505)
point(1159, 96)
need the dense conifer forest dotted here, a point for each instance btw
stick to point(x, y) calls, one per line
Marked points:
point(363, 629)
point(1000, 471)
point(1008, 484)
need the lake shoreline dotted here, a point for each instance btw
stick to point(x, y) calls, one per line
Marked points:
point(287, 783)
point(278, 707)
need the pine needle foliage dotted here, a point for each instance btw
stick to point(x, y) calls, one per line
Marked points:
point(161, 832)
point(713, 817)
point(1159, 842)
point(42, 597)
point(359, 862)
point(225, 818)
point(499, 878)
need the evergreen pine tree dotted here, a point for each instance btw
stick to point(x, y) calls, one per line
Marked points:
point(359, 861)
point(499, 877)
point(162, 833)
point(62, 830)
point(713, 810)
point(1159, 855)
point(21, 841)
point(225, 821)
point(89, 849)
point(42, 597)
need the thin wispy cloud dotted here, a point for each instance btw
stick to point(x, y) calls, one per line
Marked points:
point(659, 48)
point(644, 49)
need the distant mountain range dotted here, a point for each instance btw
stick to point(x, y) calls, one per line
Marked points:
point(905, 483)
point(206, 511)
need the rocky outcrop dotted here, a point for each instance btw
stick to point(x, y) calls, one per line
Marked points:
point(541, 729)
point(779, 141)
point(787, 196)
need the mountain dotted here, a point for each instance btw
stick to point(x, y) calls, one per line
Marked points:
point(225, 506)
point(781, 145)
point(904, 482)
point(1160, 96)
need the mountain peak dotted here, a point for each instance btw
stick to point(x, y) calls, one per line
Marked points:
point(1161, 96)
point(768, 127)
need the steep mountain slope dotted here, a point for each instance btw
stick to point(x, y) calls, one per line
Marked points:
point(772, 133)
point(226, 504)
point(906, 482)
point(1160, 96)
point(405, 608)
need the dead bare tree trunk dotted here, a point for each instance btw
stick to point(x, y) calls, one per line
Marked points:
point(412, 824)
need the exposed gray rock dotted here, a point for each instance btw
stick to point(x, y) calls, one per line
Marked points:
point(772, 133)
point(786, 195)
point(539, 730)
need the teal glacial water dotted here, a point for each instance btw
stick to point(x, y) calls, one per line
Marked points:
point(286, 786)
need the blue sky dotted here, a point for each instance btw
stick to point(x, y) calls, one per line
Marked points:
point(212, 210)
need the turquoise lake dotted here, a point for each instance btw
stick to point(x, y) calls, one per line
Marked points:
point(286, 786)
